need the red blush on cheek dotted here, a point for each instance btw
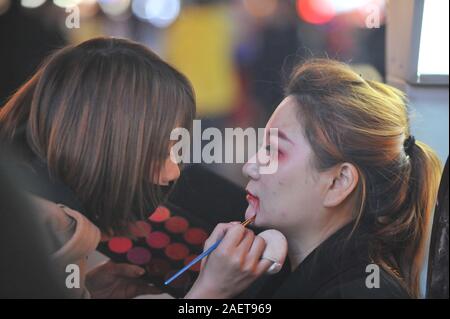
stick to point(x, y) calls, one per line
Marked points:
point(281, 155)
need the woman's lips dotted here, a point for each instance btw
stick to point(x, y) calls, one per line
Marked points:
point(254, 205)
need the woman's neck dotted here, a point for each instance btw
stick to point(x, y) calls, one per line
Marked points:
point(302, 243)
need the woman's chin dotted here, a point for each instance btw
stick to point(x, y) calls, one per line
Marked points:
point(259, 218)
point(250, 212)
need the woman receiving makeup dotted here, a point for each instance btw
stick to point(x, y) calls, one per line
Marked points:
point(93, 126)
point(353, 192)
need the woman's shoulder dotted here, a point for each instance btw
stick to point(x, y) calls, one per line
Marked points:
point(364, 283)
point(73, 235)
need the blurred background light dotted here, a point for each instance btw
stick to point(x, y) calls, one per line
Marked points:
point(323, 11)
point(434, 39)
point(260, 8)
point(138, 8)
point(340, 6)
point(160, 13)
point(67, 3)
point(316, 11)
point(32, 3)
point(88, 8)
point(114, 8)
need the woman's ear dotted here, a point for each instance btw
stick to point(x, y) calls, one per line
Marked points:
point(343, 180)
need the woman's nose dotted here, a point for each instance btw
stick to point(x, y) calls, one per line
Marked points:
point(251, 168)
point(169, 173)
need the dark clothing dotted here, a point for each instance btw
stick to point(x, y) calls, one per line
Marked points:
point(437, 283)
point(335, 269)
point(26, 39)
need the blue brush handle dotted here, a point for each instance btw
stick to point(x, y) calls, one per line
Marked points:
point(193, 262)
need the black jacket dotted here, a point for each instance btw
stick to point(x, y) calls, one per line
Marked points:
point(335, 269)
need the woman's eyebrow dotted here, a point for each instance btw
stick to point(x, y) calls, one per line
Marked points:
point(281, 135)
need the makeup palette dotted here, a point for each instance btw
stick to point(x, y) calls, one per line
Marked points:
point(163, 244)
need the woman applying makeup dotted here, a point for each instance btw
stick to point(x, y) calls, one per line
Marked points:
point(353, 192)
point(93, 127)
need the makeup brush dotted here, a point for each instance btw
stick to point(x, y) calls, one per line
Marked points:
point(204, 254)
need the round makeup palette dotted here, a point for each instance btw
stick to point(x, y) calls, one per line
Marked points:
point(163, 244)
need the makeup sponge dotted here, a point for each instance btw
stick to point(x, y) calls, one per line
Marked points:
point(276, 249)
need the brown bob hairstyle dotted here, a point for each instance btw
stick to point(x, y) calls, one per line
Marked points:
point(99, 114)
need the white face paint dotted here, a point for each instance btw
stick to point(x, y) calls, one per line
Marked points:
point(291, 198)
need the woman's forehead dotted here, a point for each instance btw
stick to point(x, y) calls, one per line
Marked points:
point(285, 117)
